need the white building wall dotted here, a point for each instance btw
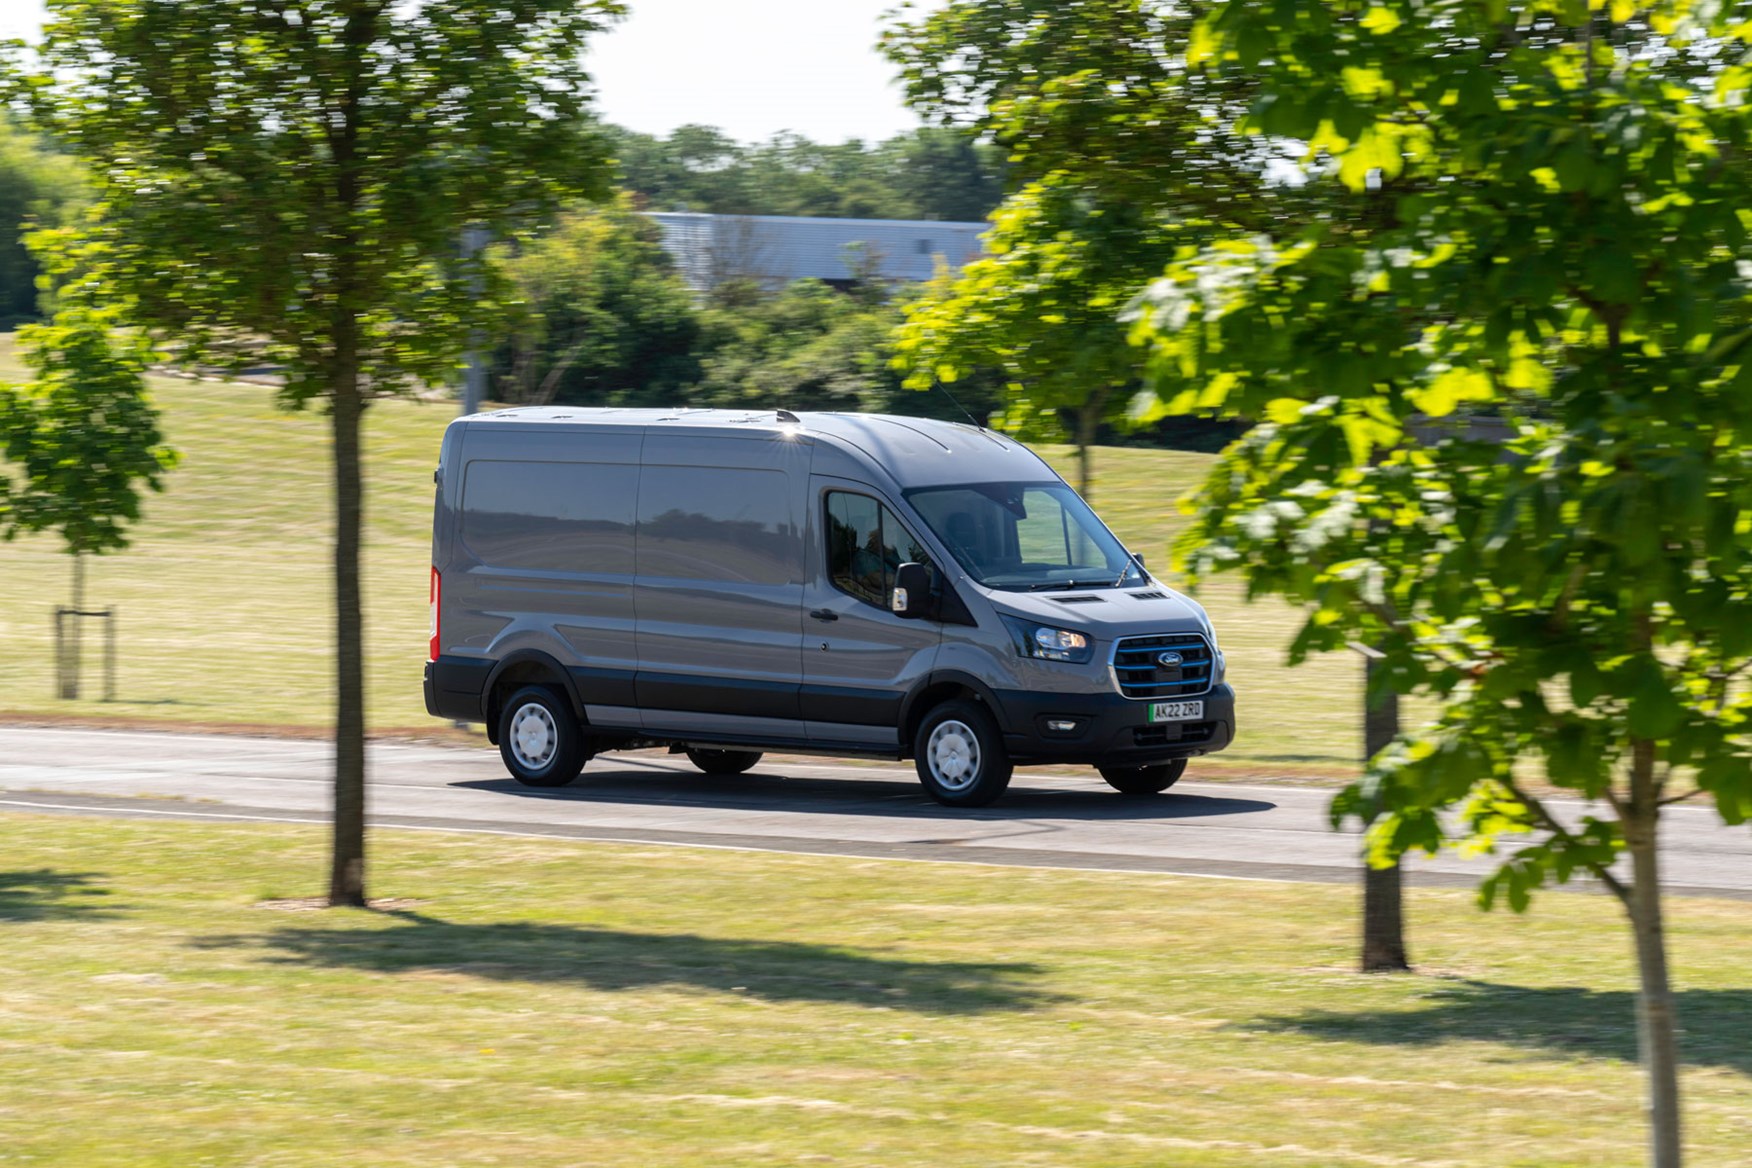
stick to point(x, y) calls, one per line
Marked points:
point(777, 249)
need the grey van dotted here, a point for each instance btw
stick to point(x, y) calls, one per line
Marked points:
point(727, 582)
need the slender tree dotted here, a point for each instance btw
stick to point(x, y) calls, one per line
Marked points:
point(1568, 252)
point(1117, 155)
point(290, 178)
point(84, 439)
point(1042, 306)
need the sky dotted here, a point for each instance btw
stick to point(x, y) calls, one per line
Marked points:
point(750, 67)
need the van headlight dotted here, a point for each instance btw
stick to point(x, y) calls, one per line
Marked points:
point(1049, 643)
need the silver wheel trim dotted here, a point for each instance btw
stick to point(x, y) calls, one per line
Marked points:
point(535, 739)
point(952, 752)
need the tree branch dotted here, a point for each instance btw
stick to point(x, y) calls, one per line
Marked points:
point(1551, 824)
point(1560, 611)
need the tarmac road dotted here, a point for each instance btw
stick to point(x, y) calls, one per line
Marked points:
point(1206, 829)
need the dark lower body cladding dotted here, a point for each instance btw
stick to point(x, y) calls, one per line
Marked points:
point(456, 687)
point(1108, 729)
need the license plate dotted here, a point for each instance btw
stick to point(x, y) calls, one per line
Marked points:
point(1177, 711)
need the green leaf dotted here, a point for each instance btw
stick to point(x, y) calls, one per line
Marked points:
point(1380, 21)
point(1728, 777)
point(1655, 711)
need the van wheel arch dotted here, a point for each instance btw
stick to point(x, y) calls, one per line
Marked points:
point(940, 688)
point(525, 667)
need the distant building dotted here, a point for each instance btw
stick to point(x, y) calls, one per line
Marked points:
point(774, 250)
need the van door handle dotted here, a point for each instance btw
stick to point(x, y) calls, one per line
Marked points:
point(825, 614)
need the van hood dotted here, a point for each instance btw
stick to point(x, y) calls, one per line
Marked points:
point(1106, 613)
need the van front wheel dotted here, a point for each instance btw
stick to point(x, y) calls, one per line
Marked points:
point(723, 762)
point(540, 738)
point(1144, 780)
point(960, 755)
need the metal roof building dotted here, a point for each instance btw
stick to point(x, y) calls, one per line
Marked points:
point(774, 250)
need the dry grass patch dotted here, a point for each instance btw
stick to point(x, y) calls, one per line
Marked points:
point(544, 1003)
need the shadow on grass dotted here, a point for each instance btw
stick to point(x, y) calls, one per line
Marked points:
point(1564, 1020)
point(611, 960)
point(47, 895)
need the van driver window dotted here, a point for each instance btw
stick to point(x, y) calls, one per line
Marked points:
point(866, 545)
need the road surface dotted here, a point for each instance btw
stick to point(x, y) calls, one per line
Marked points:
point(1206, 829)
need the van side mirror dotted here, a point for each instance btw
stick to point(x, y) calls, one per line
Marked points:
point(912, 591)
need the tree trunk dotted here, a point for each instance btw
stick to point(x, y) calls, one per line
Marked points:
point(1088, 425)
point(347, 874)
point(1084, 440)
point(347, 868)
point(1657, 1021)
point(1383, 899)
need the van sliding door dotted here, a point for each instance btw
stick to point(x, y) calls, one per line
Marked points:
point(719, 553)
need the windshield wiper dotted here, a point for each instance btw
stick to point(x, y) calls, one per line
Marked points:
point(1066, 585)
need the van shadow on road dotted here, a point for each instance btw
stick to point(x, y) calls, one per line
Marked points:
point(1564, 1020)
point(612, 960)
point(854, 796)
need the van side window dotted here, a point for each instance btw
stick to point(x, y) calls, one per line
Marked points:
point(865, 545)
point(550, 516)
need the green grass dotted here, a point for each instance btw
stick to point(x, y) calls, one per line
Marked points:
point(224, 599)
point(556, 1003)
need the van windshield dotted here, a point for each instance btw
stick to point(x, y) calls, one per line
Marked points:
point(1025, 537)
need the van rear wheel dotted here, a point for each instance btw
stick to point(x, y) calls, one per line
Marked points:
point(540, 738)
point(723, 762)
point(1144, 780)
point(960, 755)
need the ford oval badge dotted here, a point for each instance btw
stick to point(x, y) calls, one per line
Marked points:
point(1168, 660)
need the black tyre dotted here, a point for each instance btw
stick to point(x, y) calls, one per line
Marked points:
point(540, 738)
point(723, 762)
point(960, 755)
point(1144, 780)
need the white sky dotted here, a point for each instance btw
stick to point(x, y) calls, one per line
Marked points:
point(749, 67)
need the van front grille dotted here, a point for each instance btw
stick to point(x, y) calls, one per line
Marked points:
point(1140, 671)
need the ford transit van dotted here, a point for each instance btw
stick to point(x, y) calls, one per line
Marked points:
point(727, 582)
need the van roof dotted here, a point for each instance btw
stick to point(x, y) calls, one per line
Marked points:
point(913, 451)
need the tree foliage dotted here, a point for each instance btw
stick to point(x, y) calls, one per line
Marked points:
point(39, 187)
point(601, 315)
point(810, 347)
point(930, 173)
point(1116, 150)
point(1042, 306)
point(299, 173)
point(82, 436)
point(1557, 241)
point(293, 176)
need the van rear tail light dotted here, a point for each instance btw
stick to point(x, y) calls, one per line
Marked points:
point(437, 591)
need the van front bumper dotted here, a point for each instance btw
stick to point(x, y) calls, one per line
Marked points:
point(1108, 729)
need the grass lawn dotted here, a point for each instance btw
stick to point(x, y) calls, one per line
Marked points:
point(224, 599)
point(539, 1003)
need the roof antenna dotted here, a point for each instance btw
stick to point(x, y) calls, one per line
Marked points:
point(958, 405)
point(788, 416)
